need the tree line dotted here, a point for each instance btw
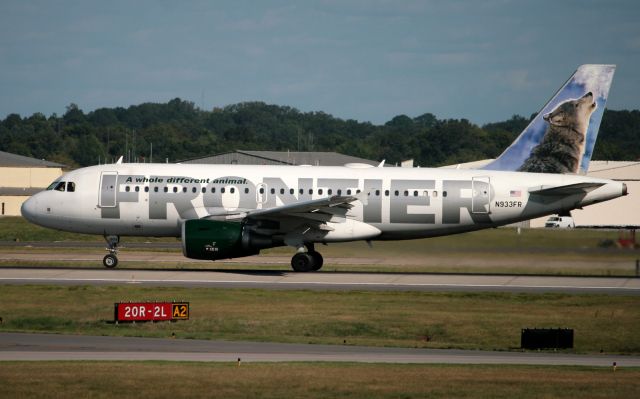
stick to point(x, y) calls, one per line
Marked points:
point(178, 130)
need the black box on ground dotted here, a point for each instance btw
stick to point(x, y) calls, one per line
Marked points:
point(546, 338)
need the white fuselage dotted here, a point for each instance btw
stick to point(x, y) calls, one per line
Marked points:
point(402, 203)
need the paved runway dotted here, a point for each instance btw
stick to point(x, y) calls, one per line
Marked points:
point(322, 280)
point(18, 347)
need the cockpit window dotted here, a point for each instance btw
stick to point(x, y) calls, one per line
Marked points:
point(62, 186)
point(53, 185)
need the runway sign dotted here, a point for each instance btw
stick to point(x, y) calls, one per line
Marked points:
point(151, 311)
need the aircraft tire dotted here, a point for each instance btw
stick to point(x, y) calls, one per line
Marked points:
point(317, 260)
point(302, 262)
point(110, 261)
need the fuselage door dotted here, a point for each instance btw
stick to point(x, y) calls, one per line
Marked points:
point(108, 188)
point(481, 194)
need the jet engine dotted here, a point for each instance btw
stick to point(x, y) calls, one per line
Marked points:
point(212, 240)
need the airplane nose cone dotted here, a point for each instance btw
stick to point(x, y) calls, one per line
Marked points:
point(29, 209)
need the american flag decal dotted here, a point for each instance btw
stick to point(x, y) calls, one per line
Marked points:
point(515, 193)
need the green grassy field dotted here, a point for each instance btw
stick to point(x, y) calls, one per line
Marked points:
point(533, 251)
point(17, 228)
point(309, 380)
point(399, 319)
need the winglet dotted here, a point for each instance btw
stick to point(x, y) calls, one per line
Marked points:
point(119, 161)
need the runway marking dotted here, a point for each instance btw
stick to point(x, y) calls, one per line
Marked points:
point(318, 283)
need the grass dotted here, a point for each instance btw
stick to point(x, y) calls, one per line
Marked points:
point(17, 228)
point(398, 319)
point(309, 380)
point(533, 251)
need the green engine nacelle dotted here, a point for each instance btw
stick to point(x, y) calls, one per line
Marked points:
point(211, 239)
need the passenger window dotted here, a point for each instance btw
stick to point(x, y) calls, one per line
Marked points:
point(330, 191)
point(213, 190)
point(204, 190)
point(291, 191)
point(175, 189)
point(222, 190)
point(310, 191)
point(396, 193)
point(349, 192)
point(155, 189)
point(444, 193)
point(71, 187)
point(339, 191)
point(377, 193)
point(301, 191)
point(60, 186)
point(320, 191)
point(146, 189)
point(166, 189)
point(137, 189)
point(386, 193)
point(184, 189)
point(261, 190)
point(282, 191)
point(232, 190)
point(246, 190)
point(273, 191)
point(406, 193)
point(415, 193)
point(127, 189)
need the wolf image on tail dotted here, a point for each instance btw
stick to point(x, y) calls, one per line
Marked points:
point(562, 136)
point(563, 143)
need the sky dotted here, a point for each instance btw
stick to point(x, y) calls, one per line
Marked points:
point(365, 60)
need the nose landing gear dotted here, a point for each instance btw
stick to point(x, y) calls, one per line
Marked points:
point(111, 260)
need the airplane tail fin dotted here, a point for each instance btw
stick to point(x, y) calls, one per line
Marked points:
point(560, 139)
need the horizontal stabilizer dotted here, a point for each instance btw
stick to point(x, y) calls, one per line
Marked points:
point(569, 189)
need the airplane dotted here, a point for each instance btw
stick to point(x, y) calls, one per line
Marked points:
point(229, 211)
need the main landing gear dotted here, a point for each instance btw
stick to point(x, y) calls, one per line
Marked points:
point(111, 260)
point(307, 261)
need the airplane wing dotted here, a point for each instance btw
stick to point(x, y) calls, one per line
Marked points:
point(321, 209)
point(569, 189)
point(329, 206)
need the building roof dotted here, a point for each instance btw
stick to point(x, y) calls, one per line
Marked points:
point(281, 158)
point(616, 170)
point(9, 159)
point(19, 191)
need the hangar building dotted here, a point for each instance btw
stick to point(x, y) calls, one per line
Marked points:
point(21, 177)
point(243, 157)
point(623, 211)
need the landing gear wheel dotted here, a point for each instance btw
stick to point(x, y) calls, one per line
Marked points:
point(302, 262)
point(317, 260)
point(110, 261)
